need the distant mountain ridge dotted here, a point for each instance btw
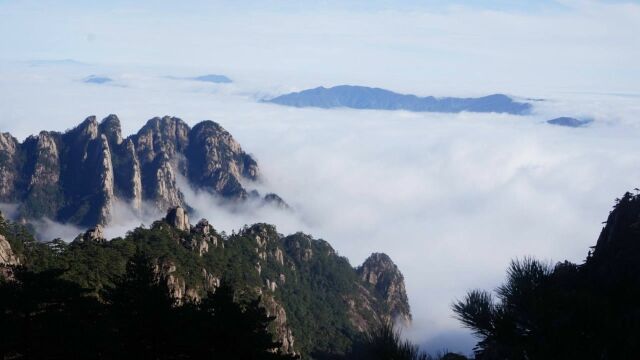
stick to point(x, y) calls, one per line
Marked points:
point(362, 97)
point(210, 78)
point(569, 122)
point(55, 62)
point(77, 176)
point(213, 78)
point(95, 79)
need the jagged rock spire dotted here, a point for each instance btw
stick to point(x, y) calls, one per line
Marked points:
point(77, 176)
point(94, 234)
point(7, 256)
point(178, 218)
point(383, 275)
point(110, 127)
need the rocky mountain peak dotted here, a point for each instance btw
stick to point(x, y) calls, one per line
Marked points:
point(110, 127)
point(7, 256)
point(217, 161)
point(300, 246)
point(209, 125)
point(8, 162)
point(8, 142)
point(95, 234)
point(277, 201)
point(203, 227)
point(88, 128)
point(618, 242)
point(77, 176)
point(158, 143)
point(379, 271)
point(376, 264)
point(46, 168)
point(178, 218)
point(167, 134)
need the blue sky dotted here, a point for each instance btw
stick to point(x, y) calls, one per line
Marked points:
point(355, 5)
point(566, 45)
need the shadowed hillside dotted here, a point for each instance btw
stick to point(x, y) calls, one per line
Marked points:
point(566, 311)
point(319, 304)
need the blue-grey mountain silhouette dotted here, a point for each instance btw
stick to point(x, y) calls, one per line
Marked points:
point(361, 97)
point(95, 79)
point(569, 121)
point(55, 62)
point(218, 79)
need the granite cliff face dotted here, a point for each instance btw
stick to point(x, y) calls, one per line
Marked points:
point(380, 273)
point(7, 256)
point(77, 176)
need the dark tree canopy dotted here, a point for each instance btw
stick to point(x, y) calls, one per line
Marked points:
point(566, 311)
point(45, 317)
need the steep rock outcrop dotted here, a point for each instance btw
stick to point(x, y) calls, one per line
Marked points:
point(159, 146)
point(386, 279)
point(300, 247)
point(362, 309)
point(178, 218)
point(106, 181)
point(207, 238)
point(275, 200)
point(111, 129)
point(165, 272)
point(77, 176)
point(7, 256)
point(42, 192)
point(211, 282)
point(46, 168)
point(217, 162)
point(167, 135)
point(618, 246)
point(282, 329)
point(129, 177)
point(163, 187)
point(9, 173)
point(622, 229)
point(95, 234)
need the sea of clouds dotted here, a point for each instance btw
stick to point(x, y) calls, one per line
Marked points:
point(452, 198)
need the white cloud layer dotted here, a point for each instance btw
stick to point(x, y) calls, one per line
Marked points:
point(431, 47)
point(450, 197)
